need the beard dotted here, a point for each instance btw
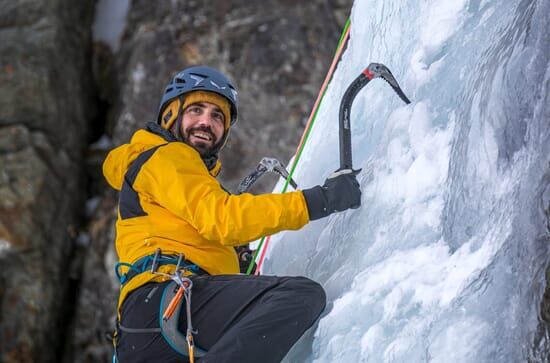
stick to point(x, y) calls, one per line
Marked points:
point(204, 147)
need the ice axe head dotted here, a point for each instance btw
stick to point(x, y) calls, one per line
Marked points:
point(378, 70)
point(274, 165)
point(265, 165)
point(271, 164)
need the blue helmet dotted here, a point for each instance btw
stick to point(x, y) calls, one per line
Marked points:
point(200, 78)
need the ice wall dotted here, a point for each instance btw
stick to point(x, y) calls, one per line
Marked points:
point(445, 260)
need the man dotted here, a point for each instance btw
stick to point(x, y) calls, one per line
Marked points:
point(174, 215)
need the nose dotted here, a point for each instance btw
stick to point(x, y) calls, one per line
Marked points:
point(205, 120)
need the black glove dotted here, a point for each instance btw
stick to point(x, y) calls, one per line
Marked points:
point(341, 191)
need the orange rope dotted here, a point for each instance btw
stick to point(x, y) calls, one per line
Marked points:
point(343, 40)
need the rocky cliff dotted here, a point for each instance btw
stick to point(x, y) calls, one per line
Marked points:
point(47, 101)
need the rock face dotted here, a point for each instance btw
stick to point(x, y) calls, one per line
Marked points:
point(46, 105)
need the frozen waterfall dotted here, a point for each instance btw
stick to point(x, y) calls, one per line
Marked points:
point(445, 260)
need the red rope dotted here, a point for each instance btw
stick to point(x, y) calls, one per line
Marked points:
point(338, 54)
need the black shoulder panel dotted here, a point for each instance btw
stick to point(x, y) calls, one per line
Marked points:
point(128, 200)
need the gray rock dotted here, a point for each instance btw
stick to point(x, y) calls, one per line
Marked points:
point(45, 108)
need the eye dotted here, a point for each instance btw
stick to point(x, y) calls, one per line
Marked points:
point(218, 117)
point(194, 109)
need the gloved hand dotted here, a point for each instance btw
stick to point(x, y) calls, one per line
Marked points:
point(340, 192)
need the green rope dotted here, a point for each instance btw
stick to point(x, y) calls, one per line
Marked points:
point(302, 146)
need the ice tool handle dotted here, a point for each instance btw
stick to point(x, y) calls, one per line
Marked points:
point(374, 70)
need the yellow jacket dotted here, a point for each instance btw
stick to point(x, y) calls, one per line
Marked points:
point(179, 207)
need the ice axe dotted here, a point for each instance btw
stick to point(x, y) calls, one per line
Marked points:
point(374, 70)
point(265, 165)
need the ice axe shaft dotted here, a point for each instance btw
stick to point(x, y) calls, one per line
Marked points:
point(374, 70)
point(265, 165)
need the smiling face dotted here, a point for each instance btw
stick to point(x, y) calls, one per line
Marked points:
point(203, 126)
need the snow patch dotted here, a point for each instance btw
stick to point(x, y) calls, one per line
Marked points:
point(104, 143)
point(110, 21)
point(4, 246)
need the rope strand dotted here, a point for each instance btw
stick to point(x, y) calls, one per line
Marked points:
point(264, 242)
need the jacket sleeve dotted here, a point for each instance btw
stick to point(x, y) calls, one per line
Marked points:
point(176, 178)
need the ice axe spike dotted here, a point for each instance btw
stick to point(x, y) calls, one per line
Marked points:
point(374, 70)
point(265, 165)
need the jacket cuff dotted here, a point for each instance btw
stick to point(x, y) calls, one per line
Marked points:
point(316, 203)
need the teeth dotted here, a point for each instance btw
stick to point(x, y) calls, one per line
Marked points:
point(202, 135)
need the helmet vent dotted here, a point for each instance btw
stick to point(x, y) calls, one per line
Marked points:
point(197, 78)
point(233, 93)
point(198, 75)
point(180, 80)
point(216, 85)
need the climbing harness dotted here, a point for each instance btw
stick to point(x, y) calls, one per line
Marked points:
point(152, 262)
point(173, 295)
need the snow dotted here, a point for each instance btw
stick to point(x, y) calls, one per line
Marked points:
point(4, 246)
point(91, 205)
point(104, 143)
point(445, 259)
point(109, 22)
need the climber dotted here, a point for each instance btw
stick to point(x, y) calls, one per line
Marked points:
point(176, 232)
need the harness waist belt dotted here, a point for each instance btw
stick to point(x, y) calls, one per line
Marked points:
point(153, 262)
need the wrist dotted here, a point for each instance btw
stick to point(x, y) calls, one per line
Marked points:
point(316, 202)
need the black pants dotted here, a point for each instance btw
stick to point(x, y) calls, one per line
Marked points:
point(239, 319)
